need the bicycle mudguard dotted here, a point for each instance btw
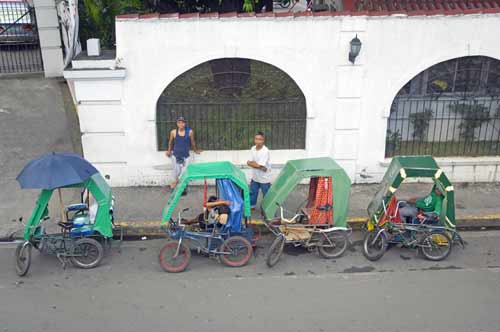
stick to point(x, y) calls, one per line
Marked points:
point(457, 238)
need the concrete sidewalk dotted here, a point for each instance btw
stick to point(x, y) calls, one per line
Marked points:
point(36, 117)
point(146, 203)
point(139, 209)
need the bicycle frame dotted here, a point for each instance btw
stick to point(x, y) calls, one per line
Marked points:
point(177, 231)
point(313, 229)
point(455, 235)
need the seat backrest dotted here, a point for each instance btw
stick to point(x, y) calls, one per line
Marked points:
point(77, 207)
point(322, 212)
point(390, 213)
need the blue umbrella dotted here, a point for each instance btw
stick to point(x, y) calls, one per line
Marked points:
point(55, 170)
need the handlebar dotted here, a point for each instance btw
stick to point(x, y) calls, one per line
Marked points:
point(398, 205)
point(285, 220)
point(179, 218)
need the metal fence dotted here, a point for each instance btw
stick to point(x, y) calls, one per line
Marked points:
point(444, 126)
point(232, 125)
point(19, 42)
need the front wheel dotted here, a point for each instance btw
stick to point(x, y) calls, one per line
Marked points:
point(88, 253)
point(436, 246)
point(275, 250)
point(23, 258)
point(374, 247)
point(333, 245)
point(170, 262)
point(236, 251)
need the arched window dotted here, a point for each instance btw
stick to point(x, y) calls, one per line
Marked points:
point(226, 101)
point(449, 109)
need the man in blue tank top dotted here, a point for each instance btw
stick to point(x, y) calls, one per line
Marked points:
point(179, 144)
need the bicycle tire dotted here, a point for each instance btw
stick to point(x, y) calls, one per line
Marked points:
point(275, 251)
point(168, 251)
point(427, 250)
point(379, 249)
point(23, 258)
point(93, 253)
point(334, 248)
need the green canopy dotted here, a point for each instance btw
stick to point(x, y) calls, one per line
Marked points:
point(403, 167)
point(102, 194)
point(201, 171)
point(297, 170)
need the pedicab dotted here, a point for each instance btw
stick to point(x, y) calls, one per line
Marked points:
point(432, 232)
point(319, 225)
point(83, 233)
point(232, 242)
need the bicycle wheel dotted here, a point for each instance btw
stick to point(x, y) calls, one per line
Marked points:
point(173, 264)
point(436, 246)
point(88, 253)
point(23, 258)
point(334, 246)
point(275, 250)
point(238, 249)
point(374, 250)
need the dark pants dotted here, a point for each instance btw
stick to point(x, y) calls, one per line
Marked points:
point(254, 191)
point(259, 5)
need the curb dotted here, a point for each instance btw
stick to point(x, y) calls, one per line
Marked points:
point(153, 228)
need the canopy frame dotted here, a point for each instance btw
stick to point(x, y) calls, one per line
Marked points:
point(207, 171)
point(297, 170)
point(102, 194)
point(403, 167)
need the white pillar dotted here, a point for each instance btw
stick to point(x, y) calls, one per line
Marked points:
point(50, 37)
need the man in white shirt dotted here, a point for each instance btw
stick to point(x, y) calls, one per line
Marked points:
point(260, 163)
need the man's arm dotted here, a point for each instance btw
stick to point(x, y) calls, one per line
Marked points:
point(261, 164)
point(170, 143)
point(193, 143)
point(254, 164)
point(218, 203)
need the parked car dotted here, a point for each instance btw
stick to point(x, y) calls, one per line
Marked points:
point(17, 24)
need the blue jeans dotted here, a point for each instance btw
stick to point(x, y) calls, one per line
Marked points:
point(254, 191)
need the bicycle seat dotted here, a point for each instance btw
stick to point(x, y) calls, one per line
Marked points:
point(77, 207)
point(65, 225)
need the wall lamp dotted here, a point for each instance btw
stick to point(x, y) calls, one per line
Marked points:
point(355, 48)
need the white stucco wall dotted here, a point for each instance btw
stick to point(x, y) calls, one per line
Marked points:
point(347, 105)
point(50, 37)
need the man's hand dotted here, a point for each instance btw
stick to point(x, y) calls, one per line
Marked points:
point(168, 153)
point(198, 151)
point(253, 164)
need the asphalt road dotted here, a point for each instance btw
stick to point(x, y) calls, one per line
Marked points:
point(130, 292)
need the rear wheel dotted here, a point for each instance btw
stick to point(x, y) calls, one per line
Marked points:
point(238, 249)
point(171, 263)
point(436, 246)
point(334, 246)
point(88, 253)
point(275, 250)
point(23, 258)
point(374, 247)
